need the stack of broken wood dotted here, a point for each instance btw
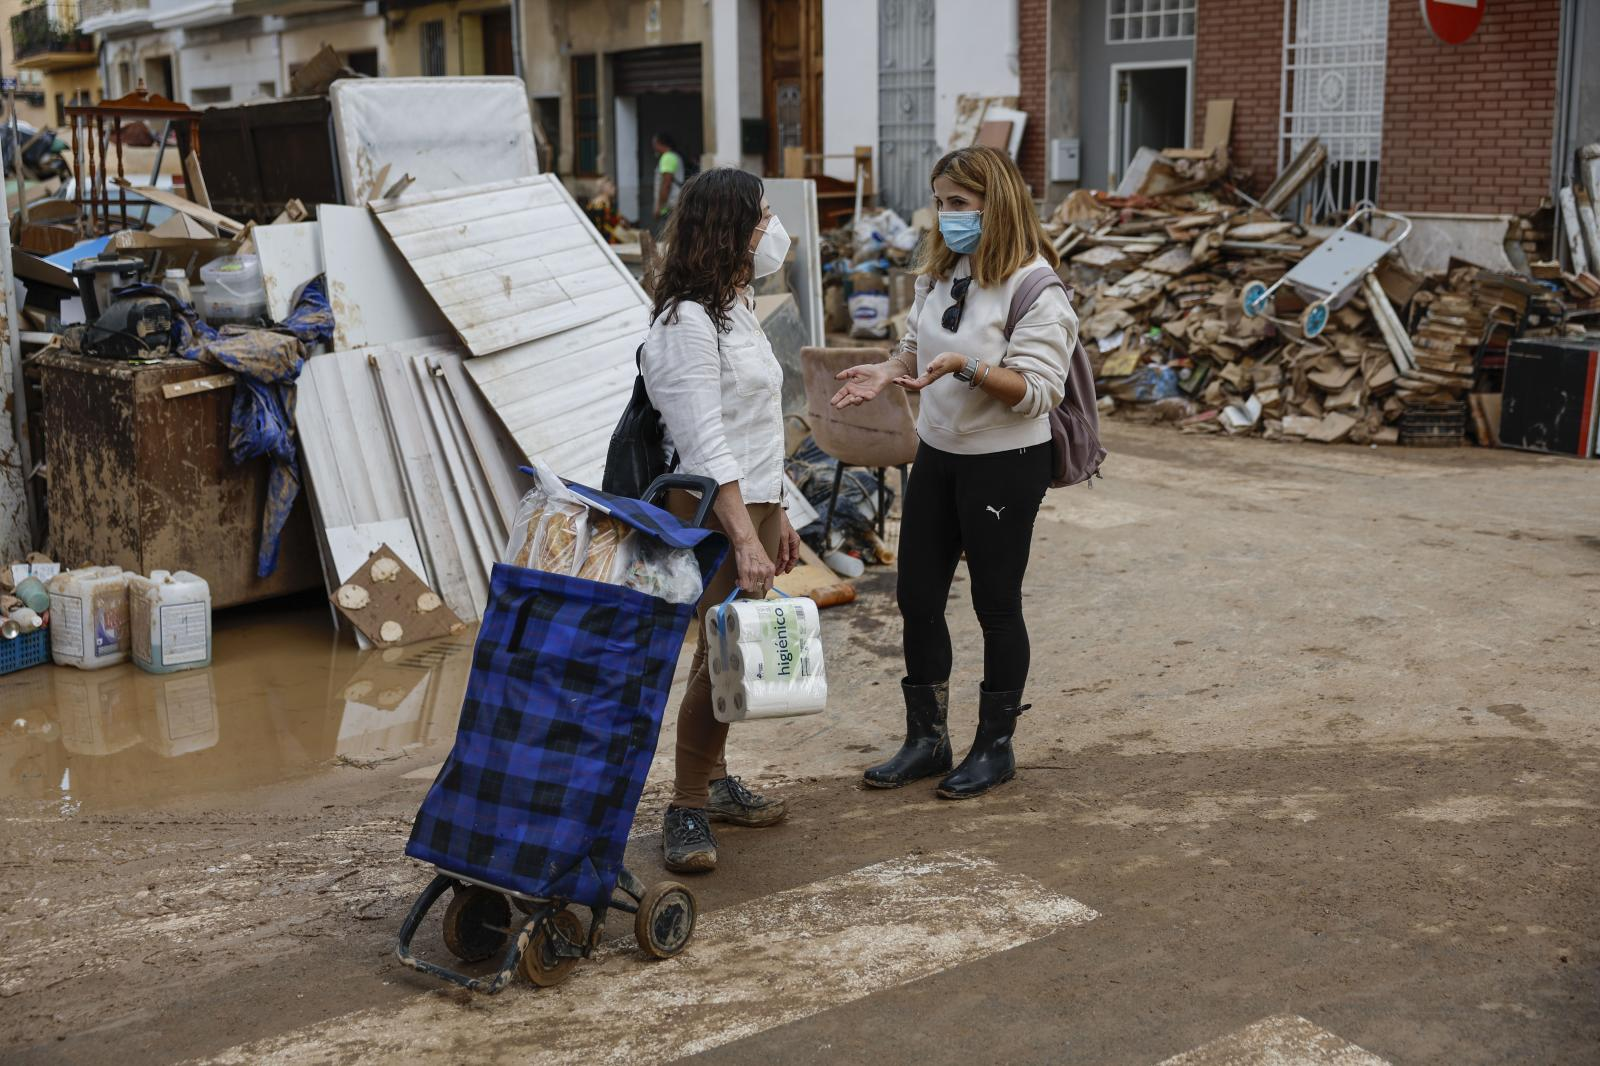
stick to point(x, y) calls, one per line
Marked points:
point(1158, 273)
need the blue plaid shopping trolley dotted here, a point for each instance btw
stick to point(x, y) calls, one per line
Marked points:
point(558, 728)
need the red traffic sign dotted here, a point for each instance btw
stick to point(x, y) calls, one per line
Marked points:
point(1453, 21)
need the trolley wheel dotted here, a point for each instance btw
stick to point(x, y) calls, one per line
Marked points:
point(665, 920)
point(1315, 319)
point(475, 923)
point(1254, 300)
point(539, 963)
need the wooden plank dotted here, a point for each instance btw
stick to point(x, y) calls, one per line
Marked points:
point(204, 215)
point(1219, 125)
point(174, 389)
point(1587, 225)
point(1572, 227)
point(196, 179)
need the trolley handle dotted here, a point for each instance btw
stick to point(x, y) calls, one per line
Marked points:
point(1366, 208)
point(706, 487)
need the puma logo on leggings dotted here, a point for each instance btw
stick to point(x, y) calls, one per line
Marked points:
point(947, 510)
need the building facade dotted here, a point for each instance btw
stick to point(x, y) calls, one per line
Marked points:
point(1487, 126)
point(231, 51)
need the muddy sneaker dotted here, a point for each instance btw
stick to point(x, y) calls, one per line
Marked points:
point(732, 802)
point(687, 842)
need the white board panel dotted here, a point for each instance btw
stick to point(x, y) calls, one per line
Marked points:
point(560, 396)
point(794, 200)
point(509, 263)
point(376, 299)
point(291, 255)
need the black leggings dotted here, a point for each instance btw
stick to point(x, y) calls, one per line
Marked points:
point(984, 505)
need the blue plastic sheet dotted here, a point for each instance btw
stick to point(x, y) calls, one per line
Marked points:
point(268, 363)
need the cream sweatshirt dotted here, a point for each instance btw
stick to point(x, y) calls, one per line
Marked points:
point(967, 421)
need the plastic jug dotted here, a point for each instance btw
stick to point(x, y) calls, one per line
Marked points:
point(171, 616)
point(89, 617)
point(235, 291)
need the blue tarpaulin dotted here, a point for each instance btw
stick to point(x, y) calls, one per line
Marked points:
point(268, 363)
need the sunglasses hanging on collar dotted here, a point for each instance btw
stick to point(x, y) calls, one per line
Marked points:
point(952, 314)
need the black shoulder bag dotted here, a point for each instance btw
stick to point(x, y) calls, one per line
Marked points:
point(637, 453)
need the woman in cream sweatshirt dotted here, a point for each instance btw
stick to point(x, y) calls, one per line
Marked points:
point(984, 462)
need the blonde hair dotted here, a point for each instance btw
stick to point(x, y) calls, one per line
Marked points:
point(1012, 233)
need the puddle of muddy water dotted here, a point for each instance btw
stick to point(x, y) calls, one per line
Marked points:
point(285, 694)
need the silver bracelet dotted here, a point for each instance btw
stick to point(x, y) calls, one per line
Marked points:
point(977, 382)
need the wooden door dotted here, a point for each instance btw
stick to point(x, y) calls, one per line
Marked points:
point(497, 57)
point(791, 69)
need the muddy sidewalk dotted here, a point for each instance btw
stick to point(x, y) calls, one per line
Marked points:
point(1312, 737)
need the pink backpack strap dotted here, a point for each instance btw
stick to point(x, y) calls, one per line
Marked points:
point(1027, 294)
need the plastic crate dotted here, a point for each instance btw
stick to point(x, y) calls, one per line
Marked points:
point(1442, 425)
point(30, 649)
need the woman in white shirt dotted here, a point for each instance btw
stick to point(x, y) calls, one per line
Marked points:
point(984, 462)
point(712, 375)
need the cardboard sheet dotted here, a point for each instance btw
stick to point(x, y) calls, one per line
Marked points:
point(390, 604)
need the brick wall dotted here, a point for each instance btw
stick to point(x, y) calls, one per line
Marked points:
point(1238, 54)
point(1033, 62)
point(1468, 127)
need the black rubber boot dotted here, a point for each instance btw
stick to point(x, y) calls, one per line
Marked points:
point(991, 761)
point(926, 751)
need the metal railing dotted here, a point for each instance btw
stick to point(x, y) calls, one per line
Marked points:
point(47, 28)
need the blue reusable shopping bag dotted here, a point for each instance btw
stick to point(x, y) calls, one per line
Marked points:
point(559, 725)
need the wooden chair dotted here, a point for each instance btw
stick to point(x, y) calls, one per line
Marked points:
point(875, 435)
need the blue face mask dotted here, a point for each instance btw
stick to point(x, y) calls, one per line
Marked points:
point(961, 229)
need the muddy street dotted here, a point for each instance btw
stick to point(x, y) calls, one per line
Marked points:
point(1311, 772)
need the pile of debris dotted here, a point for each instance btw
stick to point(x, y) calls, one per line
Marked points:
point(1161, 269)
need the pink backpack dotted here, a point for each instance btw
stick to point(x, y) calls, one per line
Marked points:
point(1075, 423)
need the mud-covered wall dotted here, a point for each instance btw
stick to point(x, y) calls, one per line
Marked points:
point(15, 541)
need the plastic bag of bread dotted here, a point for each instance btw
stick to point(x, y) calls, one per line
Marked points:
point(605, 537)
point(551, 530)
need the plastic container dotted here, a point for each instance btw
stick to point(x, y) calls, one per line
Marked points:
point(89, 617)
point(19, 653)
point(171, 621)
point(176, 283)
point(235, 291)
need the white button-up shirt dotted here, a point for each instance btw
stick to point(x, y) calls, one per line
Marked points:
point(721, 397)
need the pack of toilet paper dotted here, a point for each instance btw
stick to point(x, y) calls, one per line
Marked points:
point(765, 658)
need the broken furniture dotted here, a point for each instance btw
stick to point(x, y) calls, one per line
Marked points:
point(97, 131)
point(141, 477)
point(877, 435)
point(261, 156)
point(1552, 396)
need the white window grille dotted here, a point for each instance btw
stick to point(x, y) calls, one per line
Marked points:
point(1149, 20)
point(1333, 61)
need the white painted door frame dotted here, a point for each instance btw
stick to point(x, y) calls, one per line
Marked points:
point(1118, 109)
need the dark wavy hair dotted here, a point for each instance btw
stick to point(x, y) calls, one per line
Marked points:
point(708, 244)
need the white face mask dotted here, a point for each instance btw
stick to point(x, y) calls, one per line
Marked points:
point(771, 249)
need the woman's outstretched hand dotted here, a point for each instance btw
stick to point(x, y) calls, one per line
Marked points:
point(863, 383)
point(948, 363)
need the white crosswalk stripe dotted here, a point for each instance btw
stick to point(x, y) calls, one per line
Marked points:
point(1282, 1040)
point(750, 968)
